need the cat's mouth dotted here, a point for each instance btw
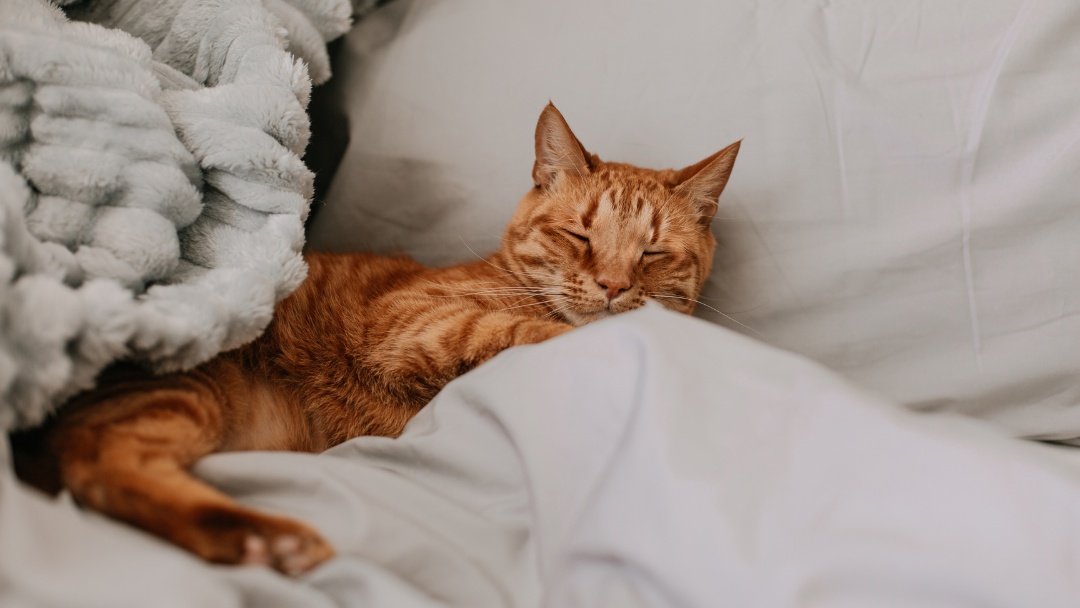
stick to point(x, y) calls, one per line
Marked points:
point(583, 317)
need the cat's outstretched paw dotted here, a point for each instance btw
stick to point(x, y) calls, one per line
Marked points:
point(246, 537)
point(288, 553)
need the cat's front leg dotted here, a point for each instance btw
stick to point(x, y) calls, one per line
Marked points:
point(422, 353)
point(535, 331)
point(478, 339)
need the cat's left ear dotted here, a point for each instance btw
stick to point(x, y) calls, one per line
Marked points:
point(703, 182)
point(557, 149)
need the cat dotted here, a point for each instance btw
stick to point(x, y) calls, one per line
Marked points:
point(366, 341)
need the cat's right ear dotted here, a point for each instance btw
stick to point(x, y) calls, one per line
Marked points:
point(558, 151)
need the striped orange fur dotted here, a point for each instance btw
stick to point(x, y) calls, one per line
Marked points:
point(368, 340)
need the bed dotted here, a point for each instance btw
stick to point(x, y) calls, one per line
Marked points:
point(874, 408)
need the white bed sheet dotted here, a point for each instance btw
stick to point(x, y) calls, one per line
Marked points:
point(904, 208)
point(648, 460)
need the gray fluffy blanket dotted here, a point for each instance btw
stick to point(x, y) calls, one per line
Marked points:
point(152, 193)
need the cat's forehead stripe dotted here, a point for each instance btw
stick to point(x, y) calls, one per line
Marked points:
point(615, 197)
point(590, 212)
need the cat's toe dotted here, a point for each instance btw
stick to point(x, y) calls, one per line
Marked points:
point(255, 551)
point(296, 553)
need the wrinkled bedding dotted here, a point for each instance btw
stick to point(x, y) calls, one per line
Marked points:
point(648, 460)
point(903, 209)
point(903, 212)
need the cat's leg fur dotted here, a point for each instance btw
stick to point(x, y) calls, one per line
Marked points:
point(433, 352)
point(125, 449)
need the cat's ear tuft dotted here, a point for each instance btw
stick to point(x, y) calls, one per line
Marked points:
point(558, 151)
point(703, 182)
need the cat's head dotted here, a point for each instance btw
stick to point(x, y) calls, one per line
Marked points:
point(599, 238)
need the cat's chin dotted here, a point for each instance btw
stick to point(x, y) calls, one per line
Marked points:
point(577, 319)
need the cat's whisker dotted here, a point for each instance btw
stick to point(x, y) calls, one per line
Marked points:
point(556, 312)
point(503, 292)
point(551, 301)
point(537, 297)
point(541, 303)
point(480, 257)
point(730, 312)
point(508, 293)
point(488, 262)
point(502, 284)
point(721, 313)
point(485, 286)
point(547, 300)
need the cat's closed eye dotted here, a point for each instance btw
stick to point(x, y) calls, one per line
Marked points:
point(577, 236)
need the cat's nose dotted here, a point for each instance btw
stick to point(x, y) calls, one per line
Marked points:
point(613, 287)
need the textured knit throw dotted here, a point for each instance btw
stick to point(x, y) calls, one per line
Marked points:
point(152, 193)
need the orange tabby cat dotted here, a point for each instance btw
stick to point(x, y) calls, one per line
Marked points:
point(366, 341)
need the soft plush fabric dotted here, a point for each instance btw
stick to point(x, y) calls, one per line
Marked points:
point(904, 207)
point(674, 464)
point(151, 183)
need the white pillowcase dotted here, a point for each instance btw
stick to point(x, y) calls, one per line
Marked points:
point(904, 208)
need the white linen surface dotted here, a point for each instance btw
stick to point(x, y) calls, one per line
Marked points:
point(904, 208)
point(647, 460)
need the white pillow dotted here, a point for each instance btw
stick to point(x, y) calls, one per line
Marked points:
point(904, 208)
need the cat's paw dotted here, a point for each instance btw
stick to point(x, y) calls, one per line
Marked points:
point(292, 554)
point(241, 536)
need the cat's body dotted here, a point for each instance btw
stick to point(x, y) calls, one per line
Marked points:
point(367, 341)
